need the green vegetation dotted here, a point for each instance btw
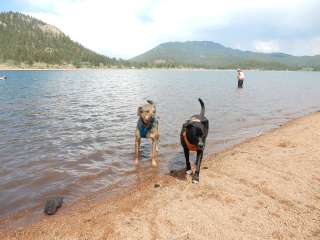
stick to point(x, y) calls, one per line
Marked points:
point(213, 55)
point(28, 42)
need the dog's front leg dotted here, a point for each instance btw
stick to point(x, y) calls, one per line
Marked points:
point(195, 178)
point(186, 155)
point(137, 147)
point(154, 152)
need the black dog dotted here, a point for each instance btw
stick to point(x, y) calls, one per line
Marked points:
point(193, 138)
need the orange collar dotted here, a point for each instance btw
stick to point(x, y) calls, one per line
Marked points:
point(190, 146)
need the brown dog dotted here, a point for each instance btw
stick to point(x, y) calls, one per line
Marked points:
point(147, 127)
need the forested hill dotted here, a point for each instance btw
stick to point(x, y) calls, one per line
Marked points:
point(27, 41)
point(214, 55)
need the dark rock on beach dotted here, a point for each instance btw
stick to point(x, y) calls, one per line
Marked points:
point(52, 205)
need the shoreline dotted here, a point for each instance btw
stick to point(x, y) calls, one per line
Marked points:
point(227, 201)
point(129, 68)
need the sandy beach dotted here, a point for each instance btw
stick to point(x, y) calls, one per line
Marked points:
point(265, 188)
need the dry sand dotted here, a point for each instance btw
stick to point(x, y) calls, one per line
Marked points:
point(265, 188)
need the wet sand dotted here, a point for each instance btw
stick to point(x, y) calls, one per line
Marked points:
point(265, 188)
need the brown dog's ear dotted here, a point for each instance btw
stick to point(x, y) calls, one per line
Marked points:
point(153, 106)
point(139, 111)
point(150, 102)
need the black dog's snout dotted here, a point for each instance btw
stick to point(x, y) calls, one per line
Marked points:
point(201, 145)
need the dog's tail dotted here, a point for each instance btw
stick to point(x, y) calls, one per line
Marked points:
point(203, 109)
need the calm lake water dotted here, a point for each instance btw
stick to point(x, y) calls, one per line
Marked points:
point(72, 132)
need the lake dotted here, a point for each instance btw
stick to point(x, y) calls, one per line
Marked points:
point(70, 133)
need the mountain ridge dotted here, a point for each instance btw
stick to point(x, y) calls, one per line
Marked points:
point(214, 55)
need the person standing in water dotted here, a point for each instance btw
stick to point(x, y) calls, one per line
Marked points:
point(240, 77)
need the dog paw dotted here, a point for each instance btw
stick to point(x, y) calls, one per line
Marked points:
point(189, 172)
point(154, 163)
point(195, 179)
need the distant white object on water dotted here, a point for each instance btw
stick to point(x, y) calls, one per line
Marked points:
point(3, 78)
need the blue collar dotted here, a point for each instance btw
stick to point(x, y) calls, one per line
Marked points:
point(144, 130)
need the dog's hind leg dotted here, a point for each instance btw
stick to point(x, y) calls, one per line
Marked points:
point(195, 178)
point(157, 145)
point(188, 166)
point(158, 138)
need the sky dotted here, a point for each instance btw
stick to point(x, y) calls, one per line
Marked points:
point(126, 28)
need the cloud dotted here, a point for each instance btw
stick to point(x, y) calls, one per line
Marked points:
point(110, 27)
point(301, 46)
point(125, 28)
point(295, 46)
point(267, 46)
point(315, 45)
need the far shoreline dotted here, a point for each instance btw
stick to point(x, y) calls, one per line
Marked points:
point(166, 69)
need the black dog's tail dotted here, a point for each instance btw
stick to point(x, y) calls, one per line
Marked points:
point(203, 109)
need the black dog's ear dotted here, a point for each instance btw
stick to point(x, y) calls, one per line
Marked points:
point(186, 123)
point(139, 111)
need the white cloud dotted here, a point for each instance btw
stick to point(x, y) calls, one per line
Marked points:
point(266, 46)
point(125, 28)
point(302, 46)
point(314, 46)
point(295, 46)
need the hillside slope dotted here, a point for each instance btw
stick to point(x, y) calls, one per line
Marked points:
point(26, 40)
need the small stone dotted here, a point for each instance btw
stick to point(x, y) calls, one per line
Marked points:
point(156, 185)
point(52, 205)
